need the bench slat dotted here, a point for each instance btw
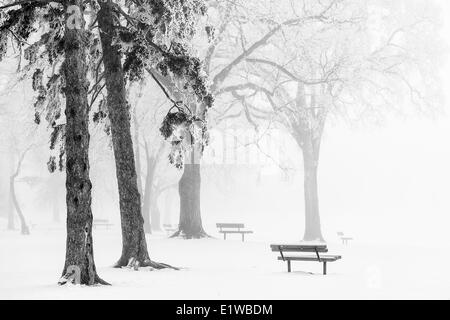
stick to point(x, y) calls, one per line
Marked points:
point(230, 225)
point(299, 248)
point(311, 258)
point(240, 232)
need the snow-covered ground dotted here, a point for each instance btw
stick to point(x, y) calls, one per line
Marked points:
point(217, 269)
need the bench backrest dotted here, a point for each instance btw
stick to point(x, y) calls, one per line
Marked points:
point(230, 225)
point(298, 248)
point(340, 234)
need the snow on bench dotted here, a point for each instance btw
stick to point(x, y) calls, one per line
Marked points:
point(286, 248)
point(232, 228)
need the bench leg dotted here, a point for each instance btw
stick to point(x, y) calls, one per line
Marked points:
point(224, 236)
point(324, 268)
point(243, 237)
point(289, 265)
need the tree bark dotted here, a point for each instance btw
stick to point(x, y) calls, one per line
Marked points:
point(313, 230)
point(190, 225)
point(79, 245)
point(134, 245)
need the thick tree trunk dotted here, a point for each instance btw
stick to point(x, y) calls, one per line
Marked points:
point(79, 245)
point(12, 192)
point(312, 215)
point(190, 225)
point(190, 221)
point(134, 245)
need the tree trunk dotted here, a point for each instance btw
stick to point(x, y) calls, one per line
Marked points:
point(12, 192)
point(190, 225)
point(79, 245)
point(190, 221)
point(148, 193)
point(134, 245)
point(312, 215)
point(13, 202)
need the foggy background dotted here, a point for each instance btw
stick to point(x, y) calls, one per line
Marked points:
point(380, 183)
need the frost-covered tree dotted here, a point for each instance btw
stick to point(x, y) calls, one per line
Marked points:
point(225, 55)
point(343, 65)
point(153, 37)
point(65, 39)
point(156, 38)
point(220, 62)
point(150, 35)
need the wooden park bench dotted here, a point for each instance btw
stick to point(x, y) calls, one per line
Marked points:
point(284, 249)
point(102, 223)
point(344, 239)
point(232, 228)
